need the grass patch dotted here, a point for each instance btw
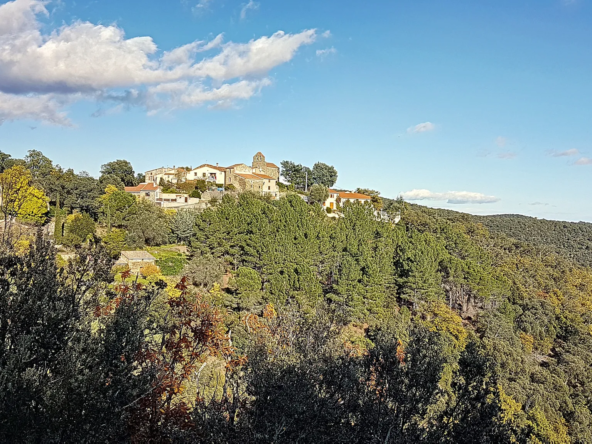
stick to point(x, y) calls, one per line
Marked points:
point(171, 262)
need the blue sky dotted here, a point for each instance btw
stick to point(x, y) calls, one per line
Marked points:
point(482, 107)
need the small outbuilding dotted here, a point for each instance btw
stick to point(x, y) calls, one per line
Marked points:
point(136, 260)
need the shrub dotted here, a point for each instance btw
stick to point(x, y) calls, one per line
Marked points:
point(329, 210)
point(230, 187)
point(71, 240)
point(201, 185)
point(195, 193)
point(80, 225)
point(149, 270)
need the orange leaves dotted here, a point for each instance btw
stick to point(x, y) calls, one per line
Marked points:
point(400, 352)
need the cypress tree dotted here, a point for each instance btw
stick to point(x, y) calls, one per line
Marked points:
point(57, 234)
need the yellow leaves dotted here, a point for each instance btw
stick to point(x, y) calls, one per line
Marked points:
point(444, 320)
point(150, 270)
point(19, 198)
point(552, 431)
point(510, 407)
point(527, 341)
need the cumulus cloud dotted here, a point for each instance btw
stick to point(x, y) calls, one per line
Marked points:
point(451, 197)
point(322, 53)
point(326, 34)
point(422, 128)
point(96, 62)
point(251, 5)
point(44, 107)
point(583, 161)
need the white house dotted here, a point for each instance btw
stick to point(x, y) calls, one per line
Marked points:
point(210, 173)
point(172, 175)
point(340, 197)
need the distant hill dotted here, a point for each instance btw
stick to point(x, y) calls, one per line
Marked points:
point(570, 239)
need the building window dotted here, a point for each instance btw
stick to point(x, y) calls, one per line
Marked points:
point(269, 188)
point(204, 175)
point(147, 194)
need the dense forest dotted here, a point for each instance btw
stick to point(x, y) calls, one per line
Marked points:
point(286, 325)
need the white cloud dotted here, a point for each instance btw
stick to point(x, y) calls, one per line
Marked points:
point(326, 34)
point(507, 155)
point(96, 62)
point(568, 153)
point(452, 197)
point(422, 128)
point(322, 53)
point(251, 5)
point(539, 204)
point(501, 141)
point(584, 161)
point(201, 6)
point(44, 107)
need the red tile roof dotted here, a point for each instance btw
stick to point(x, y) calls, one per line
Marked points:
point(353, 196)
point(272, 165)
point(142, 187)
point(249, 176)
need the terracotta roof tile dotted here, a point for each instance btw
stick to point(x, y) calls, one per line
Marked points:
point(272, 165)
point(354, 196)
point(142, 187)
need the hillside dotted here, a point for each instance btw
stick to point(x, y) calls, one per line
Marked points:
point(291, 326)
point(570, 239)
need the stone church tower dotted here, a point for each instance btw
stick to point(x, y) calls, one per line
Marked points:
point(260, 165)
point(259, 161)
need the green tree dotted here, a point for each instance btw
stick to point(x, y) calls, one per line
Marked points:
point(116, 207)
point(110, 179)
point(182, 225)
point(324, 174)
point(296, 174)
point(318, 194)
point(122, 169)
point(147, 224)
point(80, 226)
point(375, 195)
point(204, 271)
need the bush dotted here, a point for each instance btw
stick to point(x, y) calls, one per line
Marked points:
point(230, 187)
point(201, 185)
point(329, 210)
point(149, 270)
point(71, 240)
point(195, 193)
point(81, 226)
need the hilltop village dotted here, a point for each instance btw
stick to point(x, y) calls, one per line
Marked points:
point(171, 187)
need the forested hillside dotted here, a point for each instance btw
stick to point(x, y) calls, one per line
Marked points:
point(290, 326)
point(570, 239)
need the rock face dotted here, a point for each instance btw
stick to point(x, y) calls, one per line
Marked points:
point(464, 301)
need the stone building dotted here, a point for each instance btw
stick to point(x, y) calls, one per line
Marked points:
point(261, 177)
point(136, 260)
